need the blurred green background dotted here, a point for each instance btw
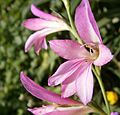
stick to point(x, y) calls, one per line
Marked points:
point(14, 100)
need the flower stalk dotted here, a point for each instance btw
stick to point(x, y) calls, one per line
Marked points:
point(73, 29)
point(97, 74)
point(96, 108)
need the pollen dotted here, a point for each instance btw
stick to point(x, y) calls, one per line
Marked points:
point(112, 97)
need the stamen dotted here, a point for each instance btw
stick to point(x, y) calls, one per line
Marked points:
point(93, 50)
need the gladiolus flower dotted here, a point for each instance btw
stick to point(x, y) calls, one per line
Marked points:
point(60, 106)
point(44, 24)
point(75, 75)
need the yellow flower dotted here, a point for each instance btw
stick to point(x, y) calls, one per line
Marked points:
point(112, 97)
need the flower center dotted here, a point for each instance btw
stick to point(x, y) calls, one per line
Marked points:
point(93, 50)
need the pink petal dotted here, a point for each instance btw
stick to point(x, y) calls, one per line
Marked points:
point(68, 89)
point(69, 84)
point(86, 24)
point(104, 55)
point(52, 110)
point(84, 86)
point(83, 64)
point(36, 40)
point(44, 44)
point(39, 36)
point(42, 110)
point(80, 110)
point(35, 23)
point(68, 49)
point(114, 113)
point(37, 12)
point(38, 24)
point(64, 71)
point(40, 43)
point(42, 93)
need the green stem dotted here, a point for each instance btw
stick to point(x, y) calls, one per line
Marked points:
point(73, 29)
point(96, 108)
point(97, 74)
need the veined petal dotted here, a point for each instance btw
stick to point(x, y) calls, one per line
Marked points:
point(52, 110)
point(37, 12)
point(69, 84)
point(35, 24)
point(44, 44)
point(78, 110)
point(39, 43)
point(64, 71)
point(93, 21)
point(38, 24)
point(84, 86)
point(68, 49)
point(86, 24)
point(68, 89)
point(42, 110)
point(39, 36)
point(83, 64)
point(42, 93)
point(104, 55)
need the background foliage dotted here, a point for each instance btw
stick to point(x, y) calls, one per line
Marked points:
point(14, 100)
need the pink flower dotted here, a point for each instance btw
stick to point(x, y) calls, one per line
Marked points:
point(60, 106)
point(114, 113)
point(75, 75)
point(44, 24)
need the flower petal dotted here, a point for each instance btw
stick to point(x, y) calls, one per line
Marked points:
point(82, 110)
point(84, 86)
point(36, 40)
point(39, 36)
point(68, 49)
point(44, 44)
point(42, 110)
point(35, 23)
point(52, 110)
point(64, 71)
point(68, 89)
point(114, 113)
point(86, 24)
point(83, 64)
point(37, 12)
point(42, 93)
point(38, 44)
point(38, 24)
point(104, 55)
point(69, 84)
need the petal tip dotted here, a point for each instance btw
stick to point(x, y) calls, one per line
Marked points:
point(50, 83)
point(37, 52)
point(26, 24)
point(32, 6)
point(22, 76)
point(21, 73)
point(51, 42)
point(26, 50)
